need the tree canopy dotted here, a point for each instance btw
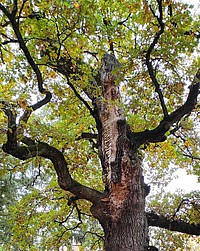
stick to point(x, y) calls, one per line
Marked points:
point(51, 53)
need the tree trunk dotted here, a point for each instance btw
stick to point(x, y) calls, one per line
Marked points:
point(128, 231)
point(122, 213)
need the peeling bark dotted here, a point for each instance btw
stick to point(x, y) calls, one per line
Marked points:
point(121, 208)
point(122, 214)
point(112, 133)
point(124, 220)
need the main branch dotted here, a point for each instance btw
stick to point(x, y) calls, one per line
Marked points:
point(172, 225)
point(23, 147)
point(28, 148)
point(158, 134)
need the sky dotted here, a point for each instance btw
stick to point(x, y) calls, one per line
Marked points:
point(194, 2)
point(184, 182)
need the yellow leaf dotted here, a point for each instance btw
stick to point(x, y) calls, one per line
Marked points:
point(22, 103)
point(76, 5)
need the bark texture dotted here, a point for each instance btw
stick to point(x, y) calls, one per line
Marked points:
point(124, 220)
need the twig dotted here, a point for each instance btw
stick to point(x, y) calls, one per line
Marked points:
point(98, 235)
point(1, 55)
point(124, 21)
point(178, 208)
point(79, 96)
point(20, 11)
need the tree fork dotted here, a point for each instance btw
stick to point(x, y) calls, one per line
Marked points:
point(121, 209)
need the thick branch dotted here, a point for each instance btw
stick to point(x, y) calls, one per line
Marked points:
point(28, 148)
point(12, 127)
point(31, 149)
point(15, 26)
point(158, 134)
point(14, 10)
point(87, 135)
point(172, 225)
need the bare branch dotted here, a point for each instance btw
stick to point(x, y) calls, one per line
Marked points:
point(172, 225)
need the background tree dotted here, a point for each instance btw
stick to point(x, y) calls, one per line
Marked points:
point(117, 83)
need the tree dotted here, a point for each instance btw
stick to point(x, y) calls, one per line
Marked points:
point(113, 78)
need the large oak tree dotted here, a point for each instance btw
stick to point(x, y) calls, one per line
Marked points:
point(116, 82)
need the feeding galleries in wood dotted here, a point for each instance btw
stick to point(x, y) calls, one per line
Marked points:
point(110, 115)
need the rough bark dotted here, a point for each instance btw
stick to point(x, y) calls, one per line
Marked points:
point(121, 208)
point(124, 220)
point(122, 216)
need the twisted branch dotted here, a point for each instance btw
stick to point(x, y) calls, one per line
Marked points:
point(28, 148)
point(15, 25)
